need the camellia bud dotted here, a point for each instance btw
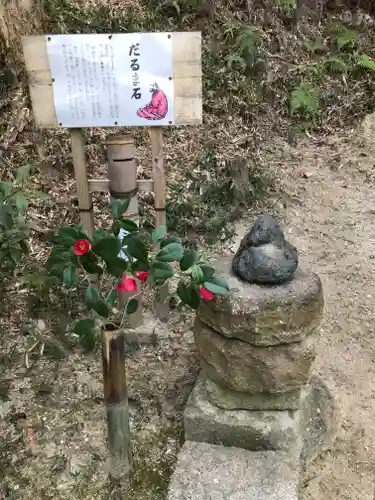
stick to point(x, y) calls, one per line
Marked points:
point(206, 294)
point(127, 284)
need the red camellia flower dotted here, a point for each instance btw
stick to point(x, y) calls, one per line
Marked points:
point(127, 284)
point(142, 275)
point(81, 247)
point(206, 294)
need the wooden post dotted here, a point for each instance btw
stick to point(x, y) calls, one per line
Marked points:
point(159, 175)
point(122, 175)
point(117, 406)
point(161, 304)
point(80, 172)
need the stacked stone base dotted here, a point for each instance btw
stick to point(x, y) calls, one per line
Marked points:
point(256, 348)
point(248, 417)
point(206, 471)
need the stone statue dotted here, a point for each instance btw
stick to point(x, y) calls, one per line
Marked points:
point(264, 255)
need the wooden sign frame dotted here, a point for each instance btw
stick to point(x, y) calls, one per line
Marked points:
point(187, 76)
point(187, 106)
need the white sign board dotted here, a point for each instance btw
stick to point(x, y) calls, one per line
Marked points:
point(112, 80)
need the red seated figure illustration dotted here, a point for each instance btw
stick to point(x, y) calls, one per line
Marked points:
point(157, 109)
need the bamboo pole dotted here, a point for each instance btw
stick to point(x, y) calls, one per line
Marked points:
point(161, 304)
point(117, 406)
point(102, 185)
point(80, 173)
point(122, 175)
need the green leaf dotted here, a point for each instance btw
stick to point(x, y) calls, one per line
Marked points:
point(92, 296)
point(189, 294)
point(84, 327)
point(132, 306)
point(170, 239)
point(95, 301)
point(59, 255)
point(216, 289)
point(6, 217)
point(158, 234)
point(189, 259)
point(69, 275)
point(92, 268)
point(305, 97)
point(117, 267)
point(57, 269)
point(112, 297)
point(24, 246)
point(115, 228)
point(86, 331)
point(344, 37)
point(90, 264)
point(208, 271)
point(107, 248)
point(128, 225)
point(101, 308)
point(366, 62)
point(99, 234)
point(197, 274)
point(67, 236)
point(160, 271)
point(337, 65)
point(171, 253)
point(217, 285)
point(5, 188)
point(21, 202)
point(136, 248)
point(16, 255)
point(139, 265)
point(118, 207)
point(218, 281)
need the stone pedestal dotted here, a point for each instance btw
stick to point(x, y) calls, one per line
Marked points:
point(255, 413)
point(249, 430)
point(256, 348)
point(211, 471)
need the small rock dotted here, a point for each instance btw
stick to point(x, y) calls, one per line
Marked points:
point(264, 256)
point(76, 464)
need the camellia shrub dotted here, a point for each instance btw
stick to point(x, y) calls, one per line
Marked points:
point(111, 263)
point(15, 231)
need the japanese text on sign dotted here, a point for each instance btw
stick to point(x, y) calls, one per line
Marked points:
point(107, 80)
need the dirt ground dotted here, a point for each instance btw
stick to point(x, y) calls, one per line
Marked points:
point(332, 224)
point(329, 213)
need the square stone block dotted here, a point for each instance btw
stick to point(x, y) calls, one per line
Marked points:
point(251, 430)
point(210, 472)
